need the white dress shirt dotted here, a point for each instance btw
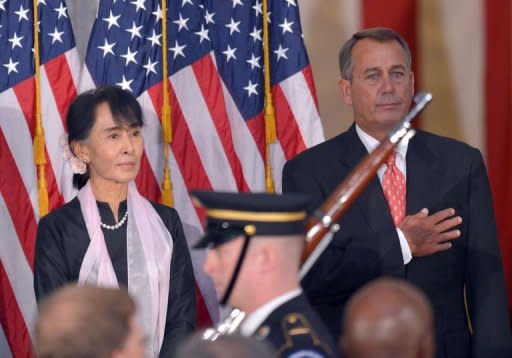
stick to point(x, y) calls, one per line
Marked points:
point(370, 144)
point(255, 319)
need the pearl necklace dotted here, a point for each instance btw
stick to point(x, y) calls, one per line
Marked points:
point(116, 226)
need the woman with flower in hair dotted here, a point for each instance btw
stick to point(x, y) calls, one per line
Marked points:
point(109, 235)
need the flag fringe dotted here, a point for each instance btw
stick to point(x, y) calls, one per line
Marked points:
point(167, 195)
point(270, 118)
point(39, 141)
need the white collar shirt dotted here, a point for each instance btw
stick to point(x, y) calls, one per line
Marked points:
point(256, 318)
point(370, 144)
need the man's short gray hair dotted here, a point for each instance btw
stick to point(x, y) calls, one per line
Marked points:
point(379, 34)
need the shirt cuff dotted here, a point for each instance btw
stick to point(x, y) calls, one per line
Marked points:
point(404, 245)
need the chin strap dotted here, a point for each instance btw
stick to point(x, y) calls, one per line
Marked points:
point(236, 271)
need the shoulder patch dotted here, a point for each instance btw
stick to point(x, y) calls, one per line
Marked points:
point(262, 332)
point(300, 338)
point(296, 324)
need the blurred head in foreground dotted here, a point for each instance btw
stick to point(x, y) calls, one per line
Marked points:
point(87, 322)
point(388, 318)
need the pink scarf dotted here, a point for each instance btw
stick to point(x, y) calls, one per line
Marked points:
point(149, 252)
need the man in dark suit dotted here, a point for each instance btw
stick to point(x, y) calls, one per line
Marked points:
point(427, 217)
point(255, 243)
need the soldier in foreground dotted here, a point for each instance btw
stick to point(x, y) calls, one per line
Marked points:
point(255, 244)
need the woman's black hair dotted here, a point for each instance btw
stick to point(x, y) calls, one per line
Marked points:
point(81, 116)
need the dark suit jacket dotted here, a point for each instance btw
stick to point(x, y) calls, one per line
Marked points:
point(441, 173)
point(293, 328)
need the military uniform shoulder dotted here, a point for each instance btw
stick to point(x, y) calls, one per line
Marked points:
point(301, 338)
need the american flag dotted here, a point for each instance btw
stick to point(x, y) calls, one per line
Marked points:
point(19, 205)
point(215, 51)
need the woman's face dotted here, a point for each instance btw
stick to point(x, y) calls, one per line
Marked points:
point(112, 150)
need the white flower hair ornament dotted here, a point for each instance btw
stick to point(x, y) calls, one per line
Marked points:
point(77, 165)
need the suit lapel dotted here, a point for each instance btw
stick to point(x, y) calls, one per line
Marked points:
point(423, 179)
point(372, 203)
point(423, 175)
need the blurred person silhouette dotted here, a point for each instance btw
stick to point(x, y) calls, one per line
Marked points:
point(234, 346)
point(388, 318)
point(88, 322)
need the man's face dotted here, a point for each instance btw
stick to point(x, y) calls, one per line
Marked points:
point(382, 86)
point(220, 263)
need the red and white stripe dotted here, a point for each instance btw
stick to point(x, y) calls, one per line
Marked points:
point(18, 190)
point(18, 205)
point(213, 148)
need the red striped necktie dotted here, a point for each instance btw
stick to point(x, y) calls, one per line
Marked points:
point(393, 184)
